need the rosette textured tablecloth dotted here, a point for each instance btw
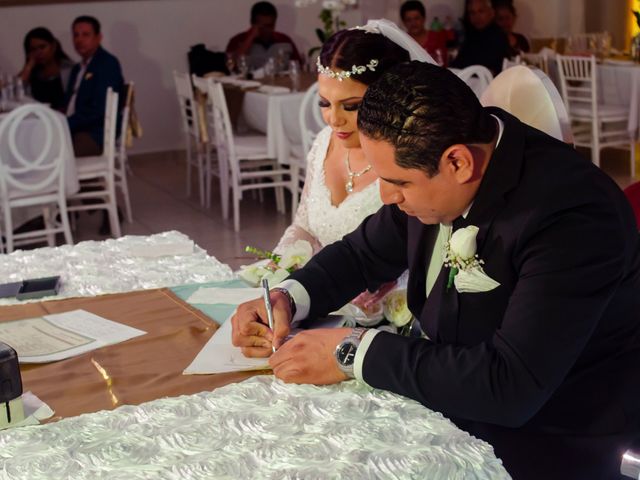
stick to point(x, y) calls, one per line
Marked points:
point(111, 266)
point(260, 428)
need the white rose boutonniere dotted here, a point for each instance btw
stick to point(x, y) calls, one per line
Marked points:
point(465, 267)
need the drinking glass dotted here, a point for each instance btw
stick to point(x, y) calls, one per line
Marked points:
point(270, 69)
point(243, 67)
point(294, 73)
point(230, 62)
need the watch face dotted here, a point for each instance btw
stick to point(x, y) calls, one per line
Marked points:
point(346, 354)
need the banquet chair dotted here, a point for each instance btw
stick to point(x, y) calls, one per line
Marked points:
point(247, 158)
point(531, 96)
point(35, 178)
point(511, 62)
point(538, 60)
point(632, 193)
point(122, 161)
point(97, 174)
point(310, 116)
point(192, 130)
point(477, 77)
point(213, 166)
point(595, 124)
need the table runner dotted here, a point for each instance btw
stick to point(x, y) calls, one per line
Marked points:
point(142, 369)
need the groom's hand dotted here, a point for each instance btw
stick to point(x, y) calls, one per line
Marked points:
point(309, 357)
point(250, 327)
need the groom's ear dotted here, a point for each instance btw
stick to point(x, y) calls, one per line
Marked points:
point(458, 161)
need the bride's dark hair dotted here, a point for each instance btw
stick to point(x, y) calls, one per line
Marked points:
point(347, 48)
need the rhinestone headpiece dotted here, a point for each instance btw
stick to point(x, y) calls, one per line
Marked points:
point(342, 74)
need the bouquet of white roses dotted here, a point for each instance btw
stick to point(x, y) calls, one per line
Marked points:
point(273, 266)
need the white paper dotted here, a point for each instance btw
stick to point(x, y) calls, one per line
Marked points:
point(220, 356)
point(162, 250)
point(217, 295)
point(63, 335)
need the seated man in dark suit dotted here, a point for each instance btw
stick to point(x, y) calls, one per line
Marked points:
point(87, 89)
point(530, 310)
point(262, 40)
point(485, 43)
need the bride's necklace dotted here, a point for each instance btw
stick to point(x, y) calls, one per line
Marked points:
point(353, 175)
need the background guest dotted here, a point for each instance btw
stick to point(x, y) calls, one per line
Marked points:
point(87, 87)
point(262, 40)
point(506, 18)
point(485, 43)
point(47, 67)
point(434, 41)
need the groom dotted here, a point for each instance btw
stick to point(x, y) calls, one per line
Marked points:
point(545, 366)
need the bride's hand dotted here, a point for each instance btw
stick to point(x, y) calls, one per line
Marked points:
point(367, 301)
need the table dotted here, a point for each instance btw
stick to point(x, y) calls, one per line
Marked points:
point(258, 428)
point(30, 138)
point(276, 115)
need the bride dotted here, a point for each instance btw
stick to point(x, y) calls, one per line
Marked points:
point(340, 188)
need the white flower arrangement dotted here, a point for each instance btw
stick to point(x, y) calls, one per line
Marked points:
point(276, 267)
point(465, 266)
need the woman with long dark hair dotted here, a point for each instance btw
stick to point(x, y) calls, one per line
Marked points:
point(46, 67)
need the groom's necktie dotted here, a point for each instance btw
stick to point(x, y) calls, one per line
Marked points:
point(437, 257)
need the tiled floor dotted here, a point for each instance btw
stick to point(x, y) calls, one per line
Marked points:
point(157, 187)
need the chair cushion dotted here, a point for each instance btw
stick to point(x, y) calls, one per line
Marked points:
point(88, 166)
point(604, 111)
point(251, 146)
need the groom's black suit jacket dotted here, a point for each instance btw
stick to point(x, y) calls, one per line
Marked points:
point(546, 366)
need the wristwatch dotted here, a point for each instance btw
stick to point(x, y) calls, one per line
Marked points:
point(346, 351)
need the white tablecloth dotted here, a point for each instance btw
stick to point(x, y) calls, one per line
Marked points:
point(30, 138)
point(257, 429)
point(275, 115)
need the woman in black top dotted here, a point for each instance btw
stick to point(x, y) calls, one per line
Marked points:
point(47, 67)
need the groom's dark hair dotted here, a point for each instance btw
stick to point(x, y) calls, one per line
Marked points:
point(422, 109)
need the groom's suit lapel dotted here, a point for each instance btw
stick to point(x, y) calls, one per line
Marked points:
point(440, 314)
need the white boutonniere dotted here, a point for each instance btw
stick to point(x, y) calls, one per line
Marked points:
point(88, 75)
point(465, 267)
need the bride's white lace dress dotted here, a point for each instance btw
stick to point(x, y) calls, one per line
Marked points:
point(319, 221)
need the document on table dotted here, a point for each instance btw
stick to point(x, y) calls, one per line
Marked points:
point(220, 356)
point(62, 335)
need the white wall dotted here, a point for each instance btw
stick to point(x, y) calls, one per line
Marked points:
point(151, 38)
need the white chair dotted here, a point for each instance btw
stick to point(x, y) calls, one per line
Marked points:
point(97, 174)
point(537, 60)
point(595, 124)
point(532, 97)
point(310, 117)
point(122, 161)
point(191, 128)
point(35, 178)
point(477, 77)
point(511, 62)
point(246, 156)
point(212, 166)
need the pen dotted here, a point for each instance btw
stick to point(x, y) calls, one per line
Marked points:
point(267, 305)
